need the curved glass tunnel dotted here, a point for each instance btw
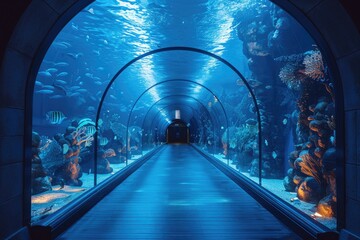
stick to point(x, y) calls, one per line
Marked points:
point(247, 81)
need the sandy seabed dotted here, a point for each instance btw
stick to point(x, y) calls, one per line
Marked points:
point(276, 187)
point(46, 203)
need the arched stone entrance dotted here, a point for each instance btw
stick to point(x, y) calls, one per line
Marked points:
point(327, 21)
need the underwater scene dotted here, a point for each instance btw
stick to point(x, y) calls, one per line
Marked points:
point(244, 77)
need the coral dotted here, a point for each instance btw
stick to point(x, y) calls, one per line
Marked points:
point(311, 166)
point(296, 59)
point(82, 137)
point(288, 76)
point(257, 49)
point(240, 136)
point(314, 65)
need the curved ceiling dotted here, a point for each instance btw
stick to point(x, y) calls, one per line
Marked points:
point(82, 65)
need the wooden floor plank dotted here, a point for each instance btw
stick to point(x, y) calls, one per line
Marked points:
point(178, 194)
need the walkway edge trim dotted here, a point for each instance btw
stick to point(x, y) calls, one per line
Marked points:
point(58, 222)
point(296, 220)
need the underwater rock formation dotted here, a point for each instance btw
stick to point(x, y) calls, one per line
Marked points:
point(299, 72)
point(263, 40)
point(62, 155)
point(315, 133)
point(40, 181)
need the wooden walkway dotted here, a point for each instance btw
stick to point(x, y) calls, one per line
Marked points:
point(178, 194)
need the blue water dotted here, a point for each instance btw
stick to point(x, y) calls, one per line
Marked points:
point(260, 40)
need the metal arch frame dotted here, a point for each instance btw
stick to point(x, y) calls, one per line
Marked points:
point(165, 107)
point(196, 119)
point(208, 113)
point(164, 82)
point(335, 76)
point(176, 95)
point(178, 48)
point(168, 81)
point(180, 80)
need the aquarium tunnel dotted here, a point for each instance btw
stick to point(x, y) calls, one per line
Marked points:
point(187, 111)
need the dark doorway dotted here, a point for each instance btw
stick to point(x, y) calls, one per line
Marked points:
point(177, 132)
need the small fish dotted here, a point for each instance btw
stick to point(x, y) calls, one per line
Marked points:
point(56, 96)
point(332, 140)
point(51, 70)
point(74, 55)
point(61, 64)
point(75, 94)
point(55, 117)
point(100, 121)
point(274, 155)
point(88, 75)
point(284, 121)
point(98, 83)
point(90, 10)
point(74, 26)
point(38, 84)
point(266, 142)
point(62, 74)
point(82, 90)
point(61, 82)
point(50, 87)
point(65, 148)
point(91, 109)
point(44, 74)
point(91, 130)
point(61, 45)
point(45, 91)
point(84, 122)
point(104, 141)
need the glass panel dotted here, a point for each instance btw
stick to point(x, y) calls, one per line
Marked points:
point(63, 133)
point(296, 101)
point(282, 65)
